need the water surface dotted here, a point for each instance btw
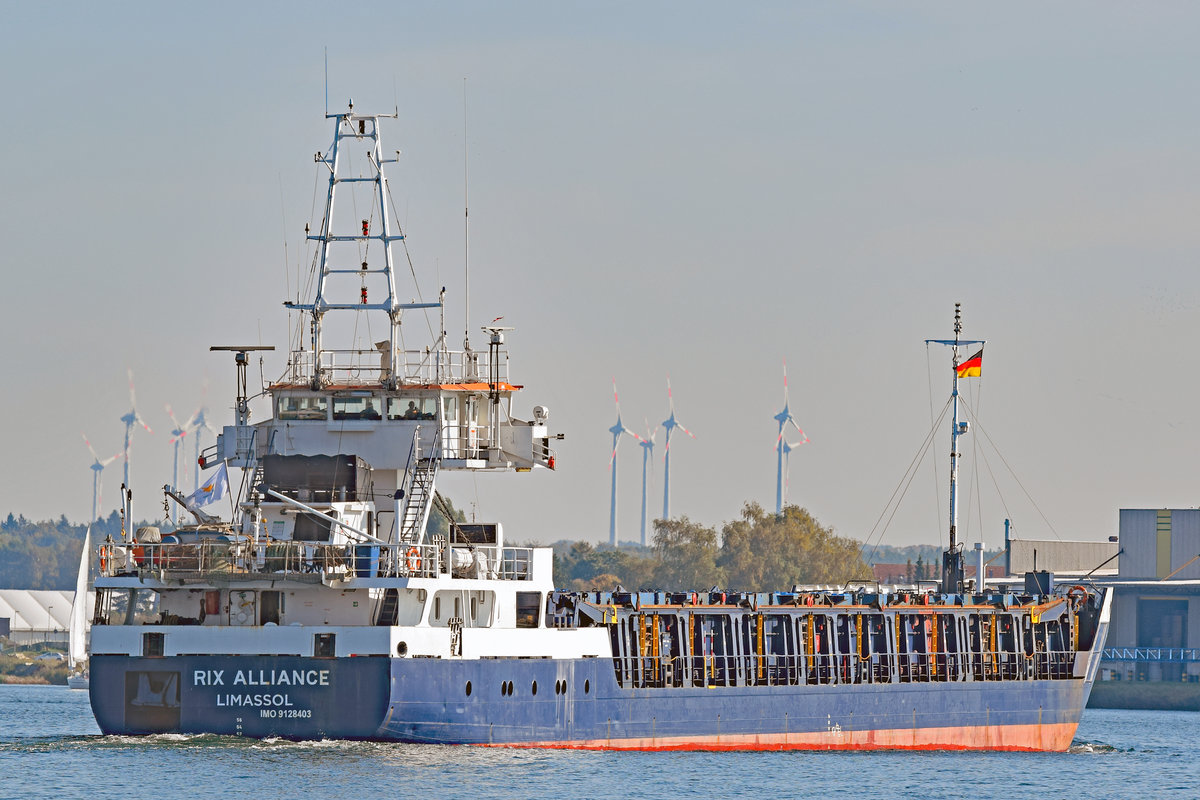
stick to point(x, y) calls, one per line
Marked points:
point(50, 747)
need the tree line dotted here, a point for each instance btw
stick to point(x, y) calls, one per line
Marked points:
point(45, 555)
point(758, 551)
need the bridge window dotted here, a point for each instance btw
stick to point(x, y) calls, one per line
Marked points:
point(301, 407)
point(411, 407)
point(356, 408)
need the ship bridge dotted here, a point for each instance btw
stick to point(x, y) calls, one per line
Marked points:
point(449, 405)
point(400, 409)
point(455, 405)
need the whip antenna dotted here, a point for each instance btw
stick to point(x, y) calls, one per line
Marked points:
point(466, 233)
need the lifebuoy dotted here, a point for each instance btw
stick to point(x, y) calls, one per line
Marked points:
point(103, 560)
point(1077, 594)
point(412, 559)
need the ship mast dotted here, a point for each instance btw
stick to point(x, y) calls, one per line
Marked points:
point(357, 128)
point(952, 558)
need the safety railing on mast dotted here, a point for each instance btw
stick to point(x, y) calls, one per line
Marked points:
point(413, 367)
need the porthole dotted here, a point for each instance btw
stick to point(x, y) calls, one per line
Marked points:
point(510, 688)
point(587, 686)
point(564, 686)
point(401, 649)
point(533, 689)
point(558, 687)
point(468, 688)
point(503, 689)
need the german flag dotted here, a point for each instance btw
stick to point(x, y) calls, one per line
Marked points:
point(972, 367)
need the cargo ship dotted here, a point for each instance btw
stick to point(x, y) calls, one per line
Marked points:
point(325, 609)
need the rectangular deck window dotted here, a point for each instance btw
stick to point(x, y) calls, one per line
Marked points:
point(324, 645)
point(529, 606)
point(153, 645)
point(270, 606)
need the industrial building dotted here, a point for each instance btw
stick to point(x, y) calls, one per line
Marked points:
point(29, 616)
point(1152, 655)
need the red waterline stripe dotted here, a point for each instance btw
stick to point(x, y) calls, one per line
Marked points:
point(1048, 737)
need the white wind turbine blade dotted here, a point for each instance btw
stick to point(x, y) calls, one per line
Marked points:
point(133, 403)
point(98, 463)
point(182, 429)
point(91, 449)
point(670, 423)
point(618, 429)
point(671, 401)
point(178, 431)
point(648, 442)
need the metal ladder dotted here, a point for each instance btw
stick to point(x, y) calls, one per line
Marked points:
point(389, 605)
point(418, 493)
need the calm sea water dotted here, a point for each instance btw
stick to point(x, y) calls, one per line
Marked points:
point(50, 747)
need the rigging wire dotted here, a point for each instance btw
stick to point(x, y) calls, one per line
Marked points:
point(988, 465)
point(937, 481)
point(901, 489)
point(1012, 472)
point(287, 278)
point(978, 388)
point(975, 499)
point(408, 256)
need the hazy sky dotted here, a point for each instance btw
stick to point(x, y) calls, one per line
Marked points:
point(696, 188)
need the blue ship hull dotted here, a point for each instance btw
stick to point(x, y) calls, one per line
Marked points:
point(564, 703)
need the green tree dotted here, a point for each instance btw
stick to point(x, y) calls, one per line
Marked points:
point(581, 566)
point(763, 551)
point(687, 555)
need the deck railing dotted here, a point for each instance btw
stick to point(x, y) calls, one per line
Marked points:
point(239, 557)
point(421, 367)
point(1152, 655)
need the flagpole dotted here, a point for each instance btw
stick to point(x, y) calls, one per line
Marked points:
point(952, 565)
point(955, 432)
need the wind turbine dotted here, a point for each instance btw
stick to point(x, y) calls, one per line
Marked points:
point(670, 423)
point(616, 430)
point(97, 467)
point(178, 433)
point(788, 447)
point(782, 445)
point(647, 445)
point(130, 419)
point(201, 424)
